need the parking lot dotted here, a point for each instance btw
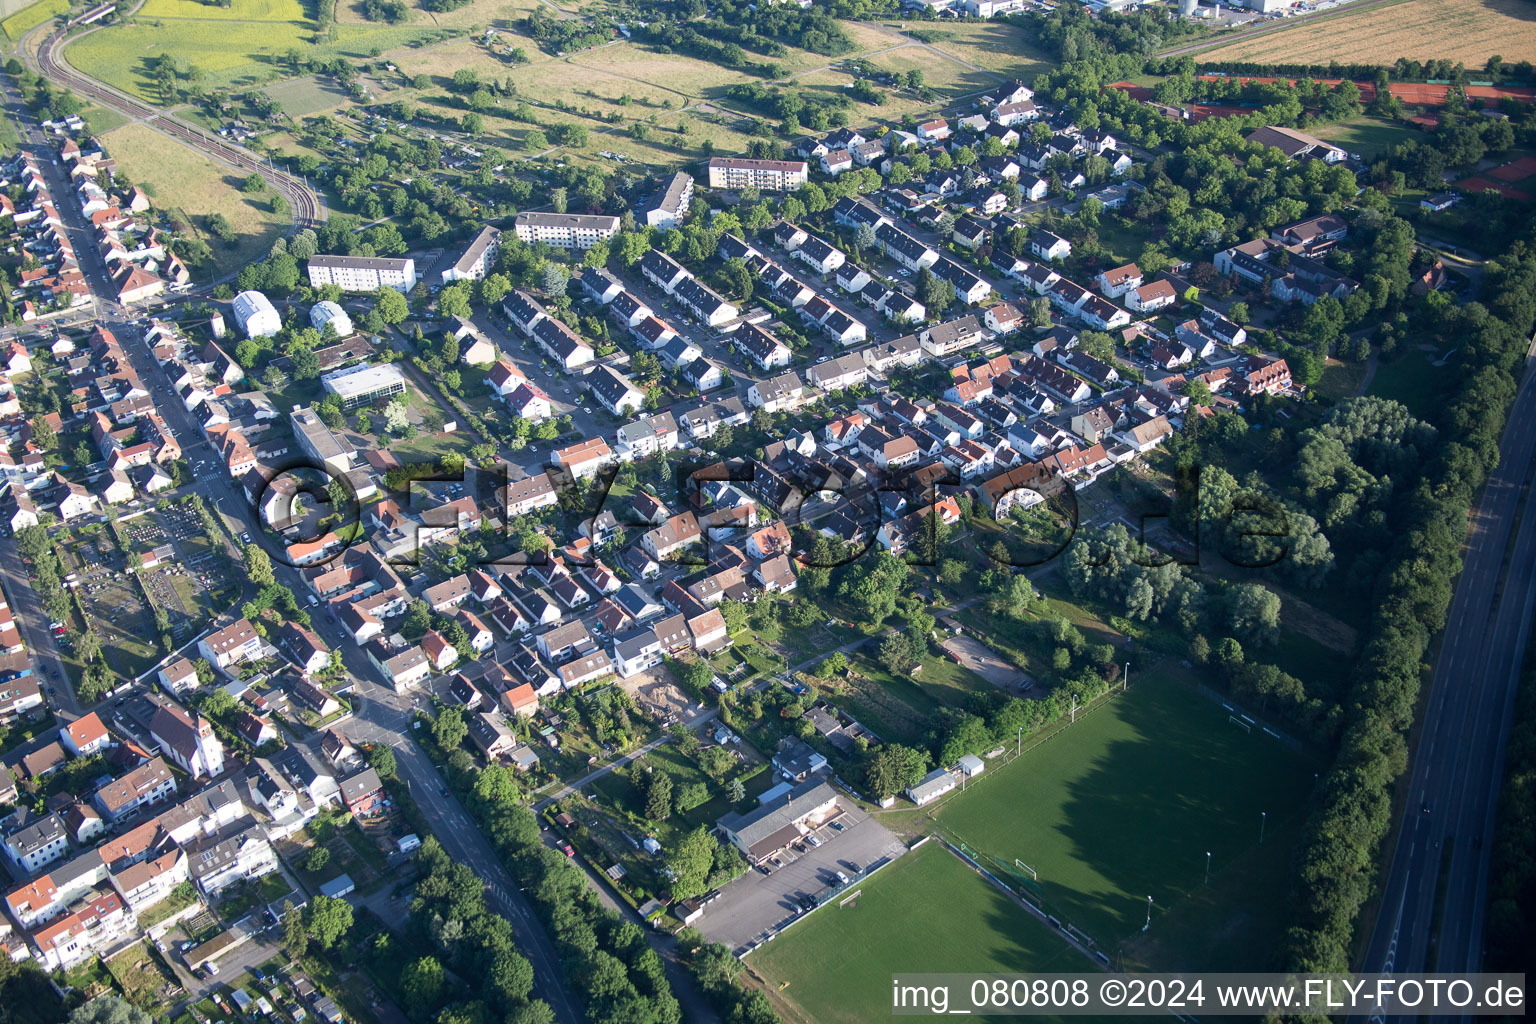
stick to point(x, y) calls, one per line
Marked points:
point(970, 653)
point(755, 904)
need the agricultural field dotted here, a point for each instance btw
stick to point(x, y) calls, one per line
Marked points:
point(22, 16)
point(192, 188)
point(929, 911)
point(1126, 803)
point(238, 46)
point(497, 14)
point(995, 46)
point(1464, 30)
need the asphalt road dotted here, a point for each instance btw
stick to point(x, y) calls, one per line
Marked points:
point(1448, 823)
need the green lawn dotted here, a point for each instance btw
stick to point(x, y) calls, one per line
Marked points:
point(902, 709)
point(927, 912)
point(1341, 380)
point(1410, 379)
point(300, 97)
point(1125, 804)
point(1368, 136)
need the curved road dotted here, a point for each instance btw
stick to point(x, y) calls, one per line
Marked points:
point(1445, 837)
point(307, 206)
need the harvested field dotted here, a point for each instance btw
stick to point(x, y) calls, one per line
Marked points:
point(1464, 30)
point(997, 46)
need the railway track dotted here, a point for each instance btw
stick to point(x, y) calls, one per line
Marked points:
point(306, 205)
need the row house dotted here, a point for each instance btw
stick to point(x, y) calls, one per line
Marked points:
point(945, 339)
point(149, 784)
point(96, 927)
point(241, 854)
point(764, 350)
point(842, 372)
point(703, 422)
point(1023, 486)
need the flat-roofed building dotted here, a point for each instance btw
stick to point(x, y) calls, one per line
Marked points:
point(365, 384)
point(362, 273)
point(565, 230)
point(317, 441)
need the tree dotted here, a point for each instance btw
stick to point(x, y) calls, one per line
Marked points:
point(835, 663)
point(397, 416)
point(1253, 613)
point(295, 938)
point(691, 864)
point(449, 729)
point(306, 365)
point(43, 434)
point(109, 1009)
point(738, 791)
point(382, 758)
point(658, 797)
point(327, 920)
point(555, 279)
point(89, 646)
point(391, 306)
point(316, 860)
point(258, 565)
point(894, 768)
point(496, 784)
point(895, 654)
point(454, 299)
point(217, 703)
point(421, 986)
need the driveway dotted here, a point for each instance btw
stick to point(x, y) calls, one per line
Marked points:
point(756, 904)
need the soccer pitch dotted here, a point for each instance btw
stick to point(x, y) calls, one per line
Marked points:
point(928, 912)
point(1126, 803)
